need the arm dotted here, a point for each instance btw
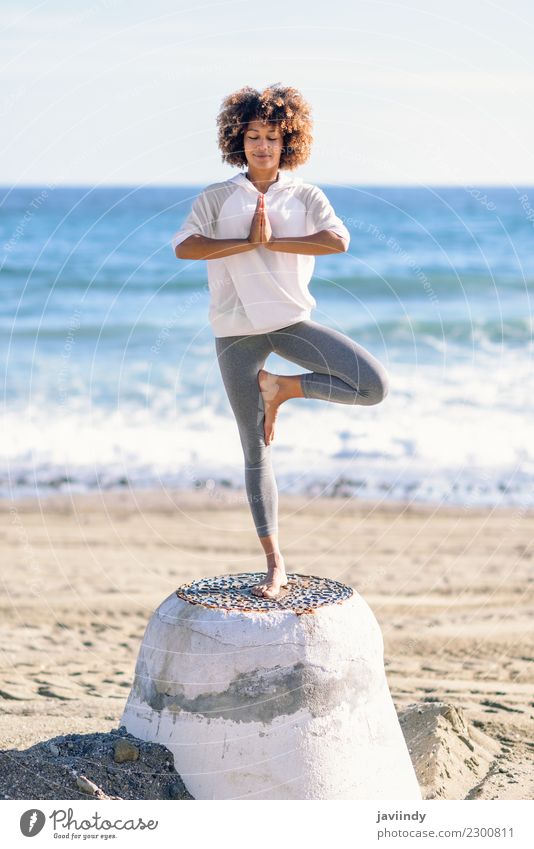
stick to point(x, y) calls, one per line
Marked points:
point(326, 233)
point(198, 246)
point(323, 242)
point(202, 247)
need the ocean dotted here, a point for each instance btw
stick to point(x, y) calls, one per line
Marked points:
point(110, 377)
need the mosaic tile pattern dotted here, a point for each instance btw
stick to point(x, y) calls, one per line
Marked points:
point(303, 594)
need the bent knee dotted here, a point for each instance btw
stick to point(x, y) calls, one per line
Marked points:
point(379, 388)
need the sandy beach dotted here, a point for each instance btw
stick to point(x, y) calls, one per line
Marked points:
point(451, 587)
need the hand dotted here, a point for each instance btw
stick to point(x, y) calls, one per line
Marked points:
point(255, 228)
point(260, 231)
point(266, 232)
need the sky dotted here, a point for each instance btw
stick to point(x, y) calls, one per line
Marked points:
point(406, 92)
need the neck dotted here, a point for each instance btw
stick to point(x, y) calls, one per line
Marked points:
point(262, 180)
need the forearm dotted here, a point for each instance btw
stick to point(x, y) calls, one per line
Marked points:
point(202, 247)
point(324, 242)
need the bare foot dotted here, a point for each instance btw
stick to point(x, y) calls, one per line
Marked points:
point(276, 578)
point(274, 389)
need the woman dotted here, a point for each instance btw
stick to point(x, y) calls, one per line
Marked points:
point(260, 231)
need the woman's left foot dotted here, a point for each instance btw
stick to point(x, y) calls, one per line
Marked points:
point(272, 389)
point(276, 578)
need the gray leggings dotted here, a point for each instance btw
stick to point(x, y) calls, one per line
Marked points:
point(341, 371)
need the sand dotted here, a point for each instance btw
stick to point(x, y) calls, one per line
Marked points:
point(451, 588)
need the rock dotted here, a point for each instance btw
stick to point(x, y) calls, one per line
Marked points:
point(54, 750)
point(125, 751)
point(86, 786)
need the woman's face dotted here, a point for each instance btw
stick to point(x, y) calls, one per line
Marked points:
point(263, 145)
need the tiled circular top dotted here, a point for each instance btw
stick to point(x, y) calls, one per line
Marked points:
point(303, 594)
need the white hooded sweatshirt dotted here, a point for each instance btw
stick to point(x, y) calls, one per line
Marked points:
point(259, 291)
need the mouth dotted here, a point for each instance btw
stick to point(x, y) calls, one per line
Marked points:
point(262, 155)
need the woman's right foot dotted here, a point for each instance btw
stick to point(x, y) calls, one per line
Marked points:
point(269, 587)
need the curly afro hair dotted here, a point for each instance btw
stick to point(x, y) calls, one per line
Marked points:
point(277, 104)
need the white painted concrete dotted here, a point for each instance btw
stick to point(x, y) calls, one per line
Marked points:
point(271, 705)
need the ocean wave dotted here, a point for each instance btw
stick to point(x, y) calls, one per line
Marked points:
point(442, 434)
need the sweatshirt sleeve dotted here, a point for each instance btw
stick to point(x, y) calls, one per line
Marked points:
point(321, 215)
point(199, 220)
